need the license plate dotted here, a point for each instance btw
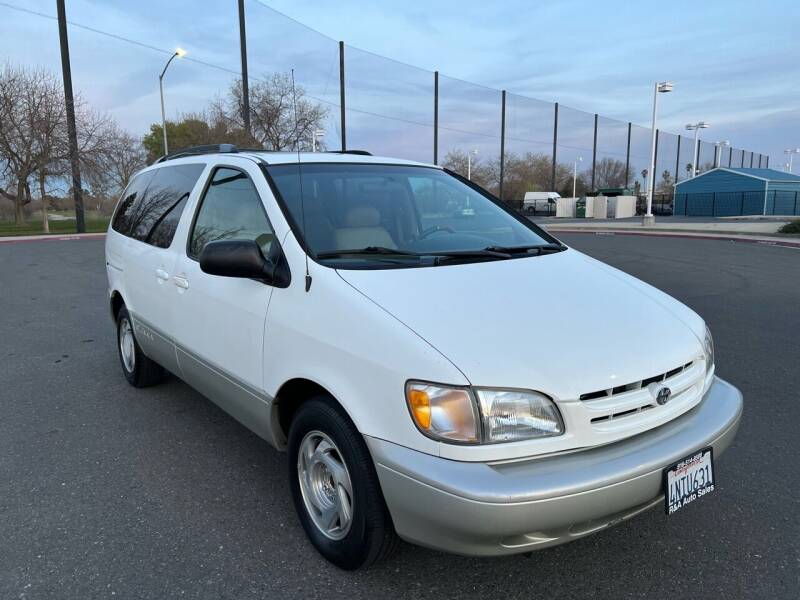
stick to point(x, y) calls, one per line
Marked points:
point(688, 479)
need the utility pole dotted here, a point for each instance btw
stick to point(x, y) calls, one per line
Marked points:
point(245, 84)
point(66, 71)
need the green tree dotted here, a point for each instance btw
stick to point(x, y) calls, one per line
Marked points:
point(194, 129)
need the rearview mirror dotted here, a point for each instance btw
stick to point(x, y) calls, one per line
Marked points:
point(243, 258)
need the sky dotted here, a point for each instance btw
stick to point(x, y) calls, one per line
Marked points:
point(734, 64)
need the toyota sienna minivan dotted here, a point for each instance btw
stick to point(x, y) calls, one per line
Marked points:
point(366, 316)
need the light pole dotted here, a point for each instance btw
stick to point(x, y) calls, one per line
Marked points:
point(315, 135)
point(178, 52)
point(575, 175)
point(696, 127)
point(470, 154)
point(791, 152)
point(658, 88)
point(718, 154)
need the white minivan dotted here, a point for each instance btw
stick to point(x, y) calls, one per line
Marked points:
point(346, 309)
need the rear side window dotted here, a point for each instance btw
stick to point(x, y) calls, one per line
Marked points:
point(163, 201)
point(130, 197)
point(230, 210)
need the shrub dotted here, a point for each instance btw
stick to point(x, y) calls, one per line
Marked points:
point(791, 227)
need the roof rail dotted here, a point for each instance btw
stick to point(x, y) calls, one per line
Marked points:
point(195, 150)
point(357, 152)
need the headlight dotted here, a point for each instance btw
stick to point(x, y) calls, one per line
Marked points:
point(511, 415)
point(444, 413)
point(708, 348)
point(459, 414)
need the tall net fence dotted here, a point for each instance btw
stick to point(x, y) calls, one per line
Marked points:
point(507, 142)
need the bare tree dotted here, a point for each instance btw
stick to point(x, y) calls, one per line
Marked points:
point(609, 173)
point(24, 94)
point(272, 116)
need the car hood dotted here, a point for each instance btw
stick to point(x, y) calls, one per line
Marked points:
point(564, 324)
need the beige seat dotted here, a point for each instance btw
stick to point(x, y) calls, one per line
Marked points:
point(362, 228)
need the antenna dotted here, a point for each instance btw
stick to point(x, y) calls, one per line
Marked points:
point(300, 176)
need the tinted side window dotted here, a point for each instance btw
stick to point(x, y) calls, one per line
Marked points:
point(230, 210)
point(127, 204)
point(161, 235)
point(169, 186)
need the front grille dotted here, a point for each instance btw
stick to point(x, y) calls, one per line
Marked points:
point(636, 385)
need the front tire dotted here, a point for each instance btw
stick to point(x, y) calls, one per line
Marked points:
point(335, 488)
point(139, 370)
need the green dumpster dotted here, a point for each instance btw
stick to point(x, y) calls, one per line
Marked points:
point(580, 208)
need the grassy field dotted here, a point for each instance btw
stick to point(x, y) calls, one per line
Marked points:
point(33, 226)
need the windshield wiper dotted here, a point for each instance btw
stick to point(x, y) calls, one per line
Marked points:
point(539, 248)
point(368, 251)
point(487, 253)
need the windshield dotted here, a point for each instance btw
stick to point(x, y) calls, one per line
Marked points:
point(371, 216)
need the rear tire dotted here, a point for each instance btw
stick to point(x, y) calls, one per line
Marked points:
point(139, 370)
point(351, 527)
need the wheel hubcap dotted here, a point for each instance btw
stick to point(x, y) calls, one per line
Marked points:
point(126, 347)
point(325, 485)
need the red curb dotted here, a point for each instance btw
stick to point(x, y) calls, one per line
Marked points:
point(51, 238)
point(724, 238)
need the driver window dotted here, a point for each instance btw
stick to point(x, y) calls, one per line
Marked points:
point(231, 209)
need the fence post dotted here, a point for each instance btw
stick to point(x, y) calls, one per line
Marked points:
point(245, 83)
point(741, 210)
point(502, 139)
point(713, 203)
point(794, 212)
point(436, 117)
point(341, 96)
point(66, 70)
point(555, 145)
point(678, 160)
point(628, 157)
point(594, 151)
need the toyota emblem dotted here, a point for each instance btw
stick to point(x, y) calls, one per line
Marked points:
point(663, 395)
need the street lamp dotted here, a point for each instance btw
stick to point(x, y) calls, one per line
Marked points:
point(470, 154)
point(659, 88)
point(718, 151)
point(696, 128)
point(791, 152)
point(179, 52)
point(315, 135)
point(575, 175)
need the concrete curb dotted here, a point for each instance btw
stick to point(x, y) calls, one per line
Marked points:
point(21, 239)
point(748, 239)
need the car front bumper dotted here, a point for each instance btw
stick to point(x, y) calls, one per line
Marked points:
point(493, 509)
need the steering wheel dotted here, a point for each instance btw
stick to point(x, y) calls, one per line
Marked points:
point(431, 230)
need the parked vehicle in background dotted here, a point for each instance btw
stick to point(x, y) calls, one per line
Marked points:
point(536, 202)
point(328, 301)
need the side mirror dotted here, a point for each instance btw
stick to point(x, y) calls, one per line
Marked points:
point(243, 258)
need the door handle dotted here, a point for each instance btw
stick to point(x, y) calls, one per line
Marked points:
point(181, 282)
point(162, 274)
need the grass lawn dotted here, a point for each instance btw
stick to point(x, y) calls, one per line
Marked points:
point(33, 226)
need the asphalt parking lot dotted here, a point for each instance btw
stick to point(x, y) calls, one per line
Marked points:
point(108, 491)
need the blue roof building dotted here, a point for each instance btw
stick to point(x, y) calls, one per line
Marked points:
point(734, 191)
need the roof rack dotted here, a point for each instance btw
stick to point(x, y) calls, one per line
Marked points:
point(357, 152)
point(206, 149)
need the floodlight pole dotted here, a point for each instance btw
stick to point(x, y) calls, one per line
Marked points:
point(663, 87)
